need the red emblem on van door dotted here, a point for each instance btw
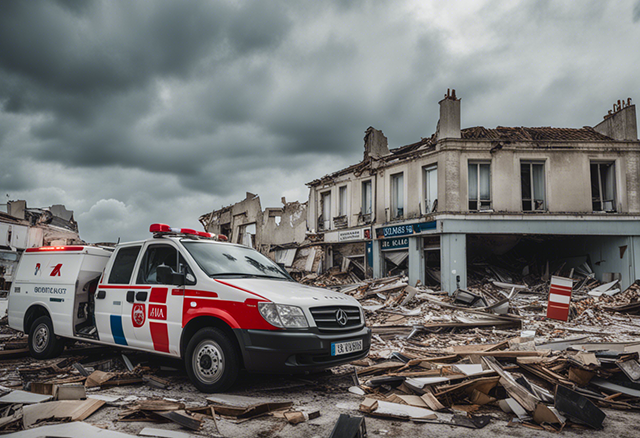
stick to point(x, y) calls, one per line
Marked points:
point(138, 315)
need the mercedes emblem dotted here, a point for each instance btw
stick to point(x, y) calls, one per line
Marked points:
point(341, 317)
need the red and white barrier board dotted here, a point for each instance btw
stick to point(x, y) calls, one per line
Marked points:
point(559, 298)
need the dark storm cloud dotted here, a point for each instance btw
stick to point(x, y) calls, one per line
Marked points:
point(133, 112)
point(111, 46)
point(97, 82)
point(258, 25)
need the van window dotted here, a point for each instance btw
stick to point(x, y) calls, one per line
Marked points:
point(218, 260)
point(157, 255)
point(123, 265)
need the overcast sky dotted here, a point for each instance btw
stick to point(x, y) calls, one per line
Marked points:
point(134, 112)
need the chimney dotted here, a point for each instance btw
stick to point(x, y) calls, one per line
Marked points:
point(620, 123)
point(449, 123)
point(375, 143)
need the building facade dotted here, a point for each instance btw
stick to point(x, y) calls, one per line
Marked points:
point(429, 207)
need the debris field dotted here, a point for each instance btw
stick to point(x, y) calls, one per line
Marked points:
point(486, 357)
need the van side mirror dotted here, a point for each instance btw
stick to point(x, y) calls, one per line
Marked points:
point(166, 275)
point(163, 274)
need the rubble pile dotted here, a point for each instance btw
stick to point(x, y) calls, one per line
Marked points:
point(544, 386)
point(333, 277)
point(623, 302)
point(485, 354)
point(489, 352)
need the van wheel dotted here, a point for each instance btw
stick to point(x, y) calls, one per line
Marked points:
point(211, 360)
point(43, 343)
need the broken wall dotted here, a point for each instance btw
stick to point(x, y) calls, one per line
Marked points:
point(284, 225)
point(308, 259)
point(240, 222)
point(613, 254)
point(8, 266)
point(350, 257)
point(246, 223)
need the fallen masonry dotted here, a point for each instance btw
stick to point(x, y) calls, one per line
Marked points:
point(484, 357)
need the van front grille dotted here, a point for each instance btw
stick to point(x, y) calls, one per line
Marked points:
point(337, 318)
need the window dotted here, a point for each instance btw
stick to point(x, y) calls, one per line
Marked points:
point(123, 265)
point(430, 189)
point(603, 186)
point(479, 186)
point(157, 255)
point(397, 195)
point(325, 208)
point(342, 196)
point(229, 261)
point(532, 183)
point(366, 197)
point(248, 234)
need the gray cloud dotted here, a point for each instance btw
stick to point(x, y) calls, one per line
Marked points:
point(140, 112)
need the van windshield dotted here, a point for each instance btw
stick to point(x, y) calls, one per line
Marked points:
point(224, 260)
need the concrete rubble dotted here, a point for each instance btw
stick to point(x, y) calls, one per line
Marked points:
point(483, 357)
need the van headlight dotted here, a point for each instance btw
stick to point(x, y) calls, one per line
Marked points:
point(281, 315)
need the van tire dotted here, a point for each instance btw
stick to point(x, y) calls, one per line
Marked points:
point(211, 360)
point(43, 342)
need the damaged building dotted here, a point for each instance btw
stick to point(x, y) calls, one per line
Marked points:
point(278, 232)
point(461, 197)
point(22, 227)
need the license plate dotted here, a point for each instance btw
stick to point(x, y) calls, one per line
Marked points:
point(338, 348)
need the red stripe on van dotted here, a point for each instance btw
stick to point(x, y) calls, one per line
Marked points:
point(158, 295)
point(200, 293)
point(242, 289)
point(159, 336)
point(123, 286)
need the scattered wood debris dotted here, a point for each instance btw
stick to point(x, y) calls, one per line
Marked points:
point(485, 354)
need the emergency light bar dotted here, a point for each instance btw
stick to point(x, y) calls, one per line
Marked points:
point(166, 229)
point(55, 248)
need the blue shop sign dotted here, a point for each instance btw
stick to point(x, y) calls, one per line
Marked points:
point(404, 230)
point(399, 243)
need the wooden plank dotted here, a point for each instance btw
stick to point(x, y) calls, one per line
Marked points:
point(483, 384)
point(540, 372)
point(492, 323)
point(67, 410)
point(431, 400)
point(182, 418)
point(517, 391)
point(380, 368)
point(498, 346)
point(507, 354)
point(580, 376)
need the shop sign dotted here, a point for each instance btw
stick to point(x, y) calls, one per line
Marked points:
point(404, 230)
point(348, 235)
point(344, 236)
point(399, 243)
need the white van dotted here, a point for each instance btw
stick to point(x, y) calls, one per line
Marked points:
point(183, 293)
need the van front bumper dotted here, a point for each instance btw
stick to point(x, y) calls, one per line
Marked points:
point(289, 351)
